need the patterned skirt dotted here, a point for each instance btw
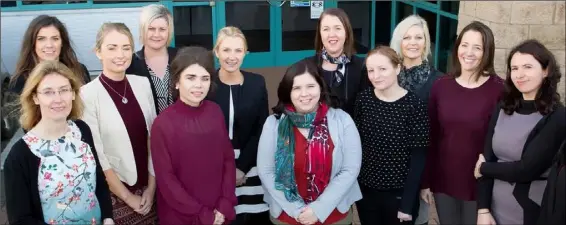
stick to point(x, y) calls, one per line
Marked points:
point(124, 215)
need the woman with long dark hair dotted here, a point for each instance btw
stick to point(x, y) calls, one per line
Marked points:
point(524, 135)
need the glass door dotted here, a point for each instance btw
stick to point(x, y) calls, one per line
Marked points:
point(194, 23)
point(296, 30)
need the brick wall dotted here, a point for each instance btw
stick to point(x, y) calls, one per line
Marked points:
point(515, 21)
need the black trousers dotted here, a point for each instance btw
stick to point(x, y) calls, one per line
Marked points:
point(252, 219)
point(381, 207)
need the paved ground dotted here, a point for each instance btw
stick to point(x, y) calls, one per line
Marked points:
point(433, 217)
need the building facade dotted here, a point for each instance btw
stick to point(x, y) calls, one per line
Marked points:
point(516, 21)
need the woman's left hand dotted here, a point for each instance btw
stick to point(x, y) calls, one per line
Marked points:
point(108, 221)
point(307, 216)
point(404, 217)
point(481, 160)
point(147, 200)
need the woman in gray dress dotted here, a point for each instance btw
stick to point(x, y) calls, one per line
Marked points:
point(525, 133)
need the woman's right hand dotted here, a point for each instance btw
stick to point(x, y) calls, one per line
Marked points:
point(218, 218)
point(426, 195)
point(134, 202)
point(485, 218)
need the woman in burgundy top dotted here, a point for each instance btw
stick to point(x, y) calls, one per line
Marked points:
point(193, 155)
point(119, 109)
point(459, 109)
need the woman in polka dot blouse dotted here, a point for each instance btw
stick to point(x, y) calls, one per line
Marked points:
point(394, 129)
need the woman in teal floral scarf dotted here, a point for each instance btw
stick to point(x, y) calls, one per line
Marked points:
point(309, 153)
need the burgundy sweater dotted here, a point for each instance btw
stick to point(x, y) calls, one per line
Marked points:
point(459, 118)
point(194, 164)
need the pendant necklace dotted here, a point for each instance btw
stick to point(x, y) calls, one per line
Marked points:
point(124, 99)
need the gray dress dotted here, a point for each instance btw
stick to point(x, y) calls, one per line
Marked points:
point(509, 138)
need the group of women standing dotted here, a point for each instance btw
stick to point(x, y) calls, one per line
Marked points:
point(387, 133)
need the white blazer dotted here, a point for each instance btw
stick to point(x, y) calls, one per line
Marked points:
point(109, 132)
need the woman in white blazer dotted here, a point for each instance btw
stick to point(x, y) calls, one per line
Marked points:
point(119, 109)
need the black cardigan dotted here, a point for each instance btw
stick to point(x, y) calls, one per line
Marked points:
point(139, 67)
point(538, 153)
point(249, 116)
point(356, 80)
point(22, 196)
point(553, 206)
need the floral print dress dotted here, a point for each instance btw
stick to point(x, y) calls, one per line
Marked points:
point(66, 178)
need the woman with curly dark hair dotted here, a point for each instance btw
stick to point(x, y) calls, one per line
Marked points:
point(524, 135)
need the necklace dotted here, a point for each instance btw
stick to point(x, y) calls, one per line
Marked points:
point(124, 99)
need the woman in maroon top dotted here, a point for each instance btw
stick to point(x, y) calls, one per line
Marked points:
point(193, 155)
point(460, 106)
point(119, 109)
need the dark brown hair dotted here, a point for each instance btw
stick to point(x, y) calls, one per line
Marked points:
point(28, 59)
point(485, 68)
point(186, 57)
point(547, 98)
point(286, 85)
point(387, 52)
point(349, 49)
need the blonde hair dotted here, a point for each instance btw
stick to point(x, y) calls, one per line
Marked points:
point(230, 31)
point(149, 14)
point(107, 27)
point(401, 30)
point(30, 112)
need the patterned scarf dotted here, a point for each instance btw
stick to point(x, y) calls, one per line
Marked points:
point(341, 60)
point(414, 78)
point(317, 153)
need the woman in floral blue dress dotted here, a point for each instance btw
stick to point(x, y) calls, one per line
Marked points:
point(52, 174)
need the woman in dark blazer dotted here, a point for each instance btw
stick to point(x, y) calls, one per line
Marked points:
point(343, 71)
point(153, 60)
point(242, 96)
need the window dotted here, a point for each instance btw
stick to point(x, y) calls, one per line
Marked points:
point(447, 38)
point(450, 6)
point(7, 4)
point(193, 26)
point(254, 23)
point(298, 28)
point(382, 23)
point(359, 13)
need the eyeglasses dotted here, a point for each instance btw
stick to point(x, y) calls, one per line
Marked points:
point(52, 93)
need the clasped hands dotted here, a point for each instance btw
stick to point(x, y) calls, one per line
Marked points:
point(477, 172)
point(141, 204)
point(218, 218)
point(307, 216)
point(240, 178)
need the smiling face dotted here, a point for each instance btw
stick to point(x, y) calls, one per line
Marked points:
point(54, 96)
point(332, 34)
point(115, 52)
point(470, 51)
point(193, 85)
point(413, 43)
point(305, 93)
point(527, 74)
point(381, 72)
point(157, 34)
point(48, 43)
point(230, 53)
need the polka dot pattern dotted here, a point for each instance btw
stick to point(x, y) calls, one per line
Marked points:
point(389, 131)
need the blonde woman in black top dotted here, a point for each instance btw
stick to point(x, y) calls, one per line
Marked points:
point(393, 126)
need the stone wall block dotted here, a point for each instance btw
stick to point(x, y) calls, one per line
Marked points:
point(499, 59)
point(560, 13)
point(532, 12)
point(494, 11)
point(552, 36)
point(507, 36)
